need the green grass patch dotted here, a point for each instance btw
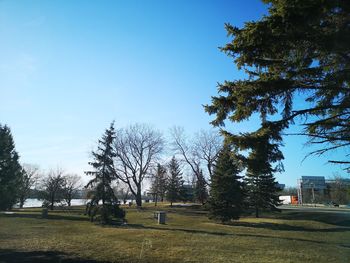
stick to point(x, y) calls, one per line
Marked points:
point(188, 236)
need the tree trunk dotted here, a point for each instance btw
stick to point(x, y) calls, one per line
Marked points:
point(138, 197)
point(21, 202)
point(125, 197)
point(52, 202)
point(256, 212)
point(156, 199)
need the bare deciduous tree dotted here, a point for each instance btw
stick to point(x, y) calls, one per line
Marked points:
point(30, 175)
point(72, 183)
point(207, 146)
point(137, 148)
point(52, 187)
point(200, 151)
point(339, 189)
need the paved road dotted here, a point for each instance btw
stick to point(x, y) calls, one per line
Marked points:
point(335, 210)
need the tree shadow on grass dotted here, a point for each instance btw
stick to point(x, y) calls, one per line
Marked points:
point(286, 227)
point(331, 217)
point(216, 233)
point(50, 216)
point(186, 210)
point(188, 213)
point(13, 256)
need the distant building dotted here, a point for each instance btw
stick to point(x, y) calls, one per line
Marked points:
point(344, 181)
point(316, 189)
point(311, 188)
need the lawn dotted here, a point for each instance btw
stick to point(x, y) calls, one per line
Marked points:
point(188, 236)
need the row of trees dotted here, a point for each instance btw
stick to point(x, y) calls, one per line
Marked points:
point(58, 186)
point(129, 159)
point(135, 153)
point(168, 183)
point(130, 155)
point(231, 194)
point(53, 187)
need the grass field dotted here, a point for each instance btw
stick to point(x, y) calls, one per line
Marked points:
point(188, 236)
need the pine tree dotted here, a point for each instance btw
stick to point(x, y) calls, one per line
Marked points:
point(186, 192)
point(226, 193)
point(159, 184)
point(175, 182)
point(262, 192)
point(262, 189)
point(10, 170)
point(104, 173)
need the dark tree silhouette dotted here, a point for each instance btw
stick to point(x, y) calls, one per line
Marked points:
point(10, 170)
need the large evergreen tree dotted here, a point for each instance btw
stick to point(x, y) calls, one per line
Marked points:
point(299, 52)
point(10, 170)
point(175, 182)
point(103, 203)
point(226, 192)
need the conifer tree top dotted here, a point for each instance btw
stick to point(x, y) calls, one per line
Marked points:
point(299, 51)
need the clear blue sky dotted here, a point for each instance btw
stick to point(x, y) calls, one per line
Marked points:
point(68, 68)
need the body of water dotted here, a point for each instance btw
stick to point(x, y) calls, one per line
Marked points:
point(33, 202)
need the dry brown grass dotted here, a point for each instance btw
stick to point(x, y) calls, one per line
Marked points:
point(188, 236)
